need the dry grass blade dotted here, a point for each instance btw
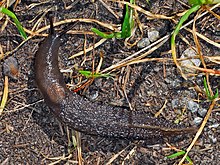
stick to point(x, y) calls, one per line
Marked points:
point(88, 49)
point(5, 23)
point(214, 59)
point(58, 159)
point(211, 71)
point(5, 95)
point(111, 27)
point(22, 106)
point(100, 63)
point(203, 14)
point(1, 52)
point(32, 5)
point(132, 152)
point(208, 40)
point(85, 20)
point(79, 148)
point(126, 78)
point(147, 13)
point(200, 130)
point(109, 9)
point(198, 47)
point(208, 9)
point(39, 20)
point(132, 58)
point(161, 109)
point(116, 155)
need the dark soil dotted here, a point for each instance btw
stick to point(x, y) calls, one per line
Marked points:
point(30, 134)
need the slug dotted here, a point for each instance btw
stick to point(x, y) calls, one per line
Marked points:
point(87, 117)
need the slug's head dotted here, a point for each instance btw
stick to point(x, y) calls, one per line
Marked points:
point(66, 29)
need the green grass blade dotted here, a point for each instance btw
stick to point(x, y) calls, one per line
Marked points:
point(128, 22)
point(216, 94)
point(182, 20)
point(16, 21)
point(89, 74)
point(189, 160)
point(85, 73)
point(118, 35)
point(208, 94)
point(126, 27)
point(203, 2)
point(179, 154)
point(176, 31)
point(206, 89)
point(196, 2)
point(176, 154)
point(101, 34)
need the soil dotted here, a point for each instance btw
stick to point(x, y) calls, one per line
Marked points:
point(30, 134)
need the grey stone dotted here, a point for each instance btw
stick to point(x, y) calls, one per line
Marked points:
point(192, 106)
point(197, 121)
point(144, 42)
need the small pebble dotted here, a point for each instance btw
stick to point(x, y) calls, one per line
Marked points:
point(153, 35)
point(10, 68)
point(216, 125)
point(197, 121)
point(193, 62)
point(156, 69)
point(213, 139)
point(179, 103)
point(202, 112)
point(167, 80)
point(144, 42)
point(94, 95)
point(175, 83)
point(175, 103)
point(192, 106)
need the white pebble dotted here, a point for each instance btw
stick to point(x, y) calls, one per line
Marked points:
point(197, 121)
point(202, 112)
point(153, 35)
point(144, 42)
point(192, 106)
point(189, 62)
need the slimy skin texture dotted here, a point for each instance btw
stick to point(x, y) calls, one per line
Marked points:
point(87, 117)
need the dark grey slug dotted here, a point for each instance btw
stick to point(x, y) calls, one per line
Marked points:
point(92, 118)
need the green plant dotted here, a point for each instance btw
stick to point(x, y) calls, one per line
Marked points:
point(148, 1)
point(15, 19)
point(89, 74)
point(196, 4)
point(202, 2)
point(127, 25)
point(208, 93)
point(179, 153)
